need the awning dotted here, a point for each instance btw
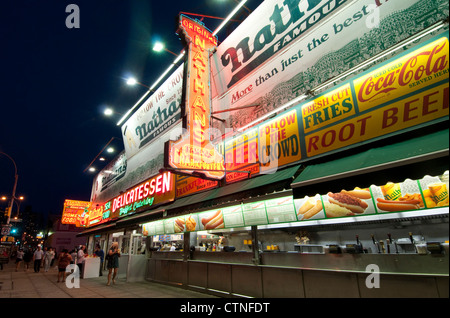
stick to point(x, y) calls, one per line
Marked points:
point(98, 229)
point(390, 157)
point(283, 177)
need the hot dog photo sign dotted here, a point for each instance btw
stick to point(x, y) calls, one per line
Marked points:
point(411, 195)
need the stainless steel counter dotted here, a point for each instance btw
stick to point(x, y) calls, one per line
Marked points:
point(293, 274)
point(409, 264)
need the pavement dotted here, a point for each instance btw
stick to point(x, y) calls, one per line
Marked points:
point(28, 284)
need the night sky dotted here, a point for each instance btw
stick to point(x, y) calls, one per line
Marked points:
point(57, 81)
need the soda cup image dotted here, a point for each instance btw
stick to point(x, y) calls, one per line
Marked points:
point(391, 191)
point(439, 193)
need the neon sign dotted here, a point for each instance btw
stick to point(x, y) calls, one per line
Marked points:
point(194, 149)
point(156, 190)
point(76, 212)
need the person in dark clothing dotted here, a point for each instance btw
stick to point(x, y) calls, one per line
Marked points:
point(27, 257)
point(99, 252)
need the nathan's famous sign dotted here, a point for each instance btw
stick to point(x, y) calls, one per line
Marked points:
point(194, 150)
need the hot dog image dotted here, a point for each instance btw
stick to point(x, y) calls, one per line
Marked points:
point(350, 202)
point(334, 211)
point(394, 206)
point(309, 208)
point(363, 194)
point(179, 225)
point(213, 221)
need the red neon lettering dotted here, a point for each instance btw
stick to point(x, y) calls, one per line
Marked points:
point(199, 87)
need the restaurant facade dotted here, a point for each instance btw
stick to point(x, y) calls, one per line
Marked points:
point(303, 154)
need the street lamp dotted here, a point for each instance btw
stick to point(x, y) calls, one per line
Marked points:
point(18, 201)
point(131, 81)
point(108, 149)
point(159, 46)
point(16, 177)
point(108, 112)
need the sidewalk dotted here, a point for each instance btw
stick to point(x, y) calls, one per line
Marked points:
point(29, 284)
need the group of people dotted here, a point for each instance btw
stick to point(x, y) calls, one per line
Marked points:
point(46, 257)
point(40, 258)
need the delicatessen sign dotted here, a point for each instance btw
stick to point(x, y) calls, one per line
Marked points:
point(408, 196)
point(153, 192)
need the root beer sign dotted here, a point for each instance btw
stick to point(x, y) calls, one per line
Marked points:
point(194, 150)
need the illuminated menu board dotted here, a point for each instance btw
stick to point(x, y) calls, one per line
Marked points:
point(76, 212)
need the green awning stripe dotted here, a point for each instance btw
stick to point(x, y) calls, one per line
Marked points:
point(413, 150)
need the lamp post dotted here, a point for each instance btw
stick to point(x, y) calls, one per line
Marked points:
point(132, 81)
point(158, 47)
point(16, 177)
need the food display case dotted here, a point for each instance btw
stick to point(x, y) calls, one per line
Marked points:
point(286, 247)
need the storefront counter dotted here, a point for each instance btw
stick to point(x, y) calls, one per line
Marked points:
point(91, 267)
point(224, 257)
point(167, 255)
point(293, 274)
point(400, 264)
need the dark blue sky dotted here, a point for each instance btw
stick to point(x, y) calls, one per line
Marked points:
point(56, 82)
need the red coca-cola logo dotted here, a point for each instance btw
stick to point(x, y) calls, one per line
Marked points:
point(415, 69)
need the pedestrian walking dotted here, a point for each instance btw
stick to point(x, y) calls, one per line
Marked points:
point(48, 257)
point(80, 259)
point(54, 258)
point(27, 257)
point(19, 258)
point(113, 262)
point(99, 253)
point(64, 260)
point(37, 257)
point(73, 254)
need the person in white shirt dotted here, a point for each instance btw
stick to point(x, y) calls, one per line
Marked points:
point(48, 256)
point(19, 258)
point(37, 257)
point(80, 259)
